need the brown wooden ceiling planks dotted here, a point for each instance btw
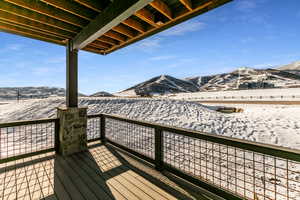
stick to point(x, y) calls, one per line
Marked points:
point(146, 16)
point(163, 8)
point(53, 12)
point(34, 25)
point(57, 21)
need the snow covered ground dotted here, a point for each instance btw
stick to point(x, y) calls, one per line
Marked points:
point(278, 94)
point(272, 124)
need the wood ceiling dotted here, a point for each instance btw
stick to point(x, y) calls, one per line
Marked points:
point(56, 21)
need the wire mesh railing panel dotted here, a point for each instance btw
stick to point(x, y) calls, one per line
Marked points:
point(248, 174)
point(23, 139)
point(135, 137)
point(93, 128)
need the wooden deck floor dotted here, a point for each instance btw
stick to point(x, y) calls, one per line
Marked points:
point(100, 173)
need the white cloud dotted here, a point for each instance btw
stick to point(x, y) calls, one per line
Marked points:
point(181, 29)
point(149, 45)
point(158, 58)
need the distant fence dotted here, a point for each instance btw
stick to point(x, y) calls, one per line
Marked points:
point(231, 168)
point(270, 97)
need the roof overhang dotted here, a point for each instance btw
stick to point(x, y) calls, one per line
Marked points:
point(99, 26)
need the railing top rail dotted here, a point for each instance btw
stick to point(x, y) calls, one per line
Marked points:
point(27, 122)
point(273, 150)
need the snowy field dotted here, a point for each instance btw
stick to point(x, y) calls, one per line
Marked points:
point(272, 124)
point(280, 94)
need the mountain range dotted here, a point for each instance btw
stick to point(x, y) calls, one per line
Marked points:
point(287, 76)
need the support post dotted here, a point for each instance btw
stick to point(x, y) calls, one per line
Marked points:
point(72, 135)
point(56, 136)
point(102, 128)
point(72, 76)
point(158, 149)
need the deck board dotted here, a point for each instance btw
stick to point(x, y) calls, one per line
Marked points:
point(99, 173)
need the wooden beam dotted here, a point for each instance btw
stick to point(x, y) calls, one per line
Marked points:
point(116, 36)
point(50, 11)
point(73, 8)
point(33, 25)
point(124, 30)
point(10, 28)
point(101, 44)
point(95, 5)
point(115, 13)
point(134, 24)
point(93, 49)
point(162, 7)
point(146, 16)
point(108, 40)
point(187, 4)
point(28, 14)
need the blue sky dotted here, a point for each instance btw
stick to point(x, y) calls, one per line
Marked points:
point(254, 33)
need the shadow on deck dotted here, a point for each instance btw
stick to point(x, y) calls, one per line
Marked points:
point(102, 172)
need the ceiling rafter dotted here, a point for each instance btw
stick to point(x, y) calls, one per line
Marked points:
point(132, 23)
point(124, 30)
point(34, 25)
point(11, 28)
point(73, 8)
point(116, 36)
point(108, 40)
point(53, 12)
point(146, 16)
point(163, 8)
point(95, 5)
point(187, 4)
point(116, 12)
point(34, 16)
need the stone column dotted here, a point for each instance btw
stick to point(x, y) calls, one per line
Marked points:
point(72, 131)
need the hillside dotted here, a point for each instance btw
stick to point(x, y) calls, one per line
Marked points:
point(101, 94)
point(287, 76)
point(31, 92)
point(292, 68)
point(163, 84)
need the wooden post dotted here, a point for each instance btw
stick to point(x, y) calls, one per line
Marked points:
point(158, 149)
point(72, 76)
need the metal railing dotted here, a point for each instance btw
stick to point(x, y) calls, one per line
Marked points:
point(231, 168)
point(27, 138)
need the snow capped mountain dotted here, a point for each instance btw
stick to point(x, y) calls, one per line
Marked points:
point(287, 76)
point(163, 84)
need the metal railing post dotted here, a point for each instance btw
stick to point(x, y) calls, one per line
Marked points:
point(102, 128)
point(56, 136)
point(159, 149)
